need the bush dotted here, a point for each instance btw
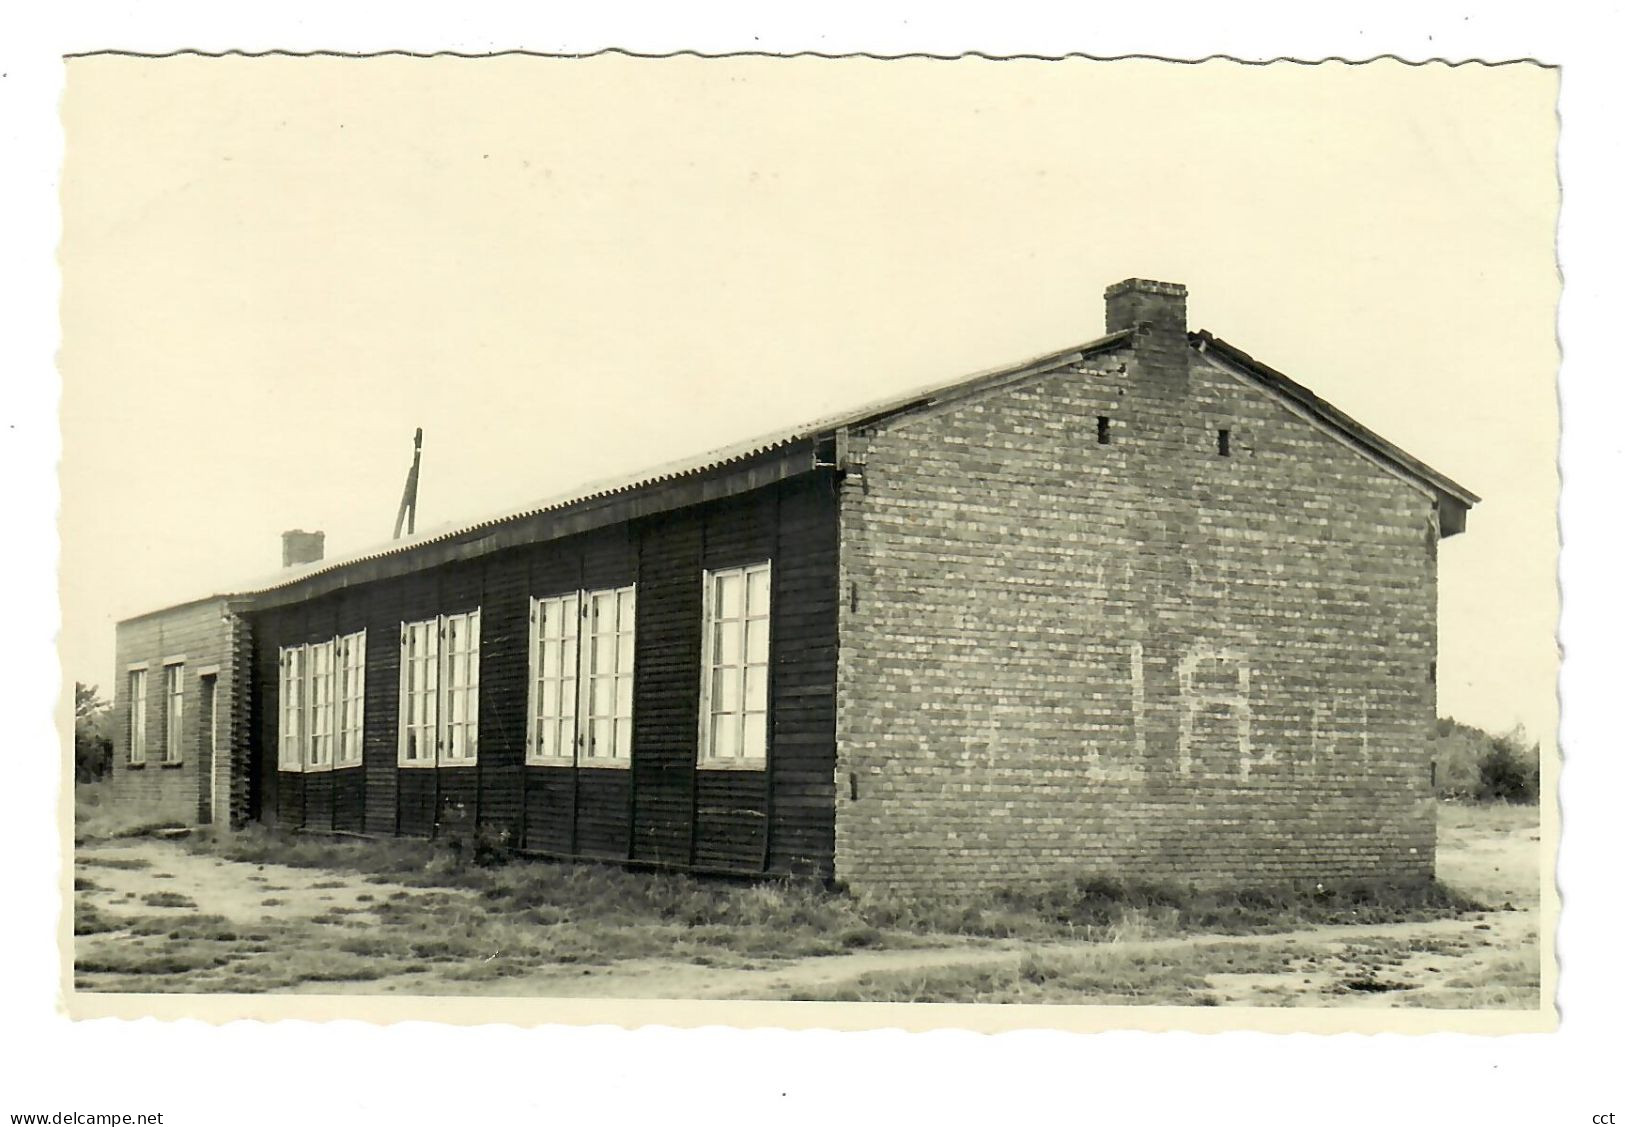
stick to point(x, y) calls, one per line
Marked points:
point(1471, 764)
point(1509, 772)
point(92, 734)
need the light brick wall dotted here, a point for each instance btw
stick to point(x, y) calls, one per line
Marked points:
point(1140, 659)
point(203, 634)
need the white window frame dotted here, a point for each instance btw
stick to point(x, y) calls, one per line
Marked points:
point(450, 692)
point(744, 688)
point(567, 723)
point(137, 752)
point(312, 725)
point(350, 652)
point(174, 712)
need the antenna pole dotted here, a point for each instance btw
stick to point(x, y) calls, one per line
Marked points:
point(408, 512)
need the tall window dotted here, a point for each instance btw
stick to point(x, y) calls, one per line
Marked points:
point(440, 691)
point(138, 717)
point(733, 696)
point(420, 691)
point(581, 653)
point(352, 659)
point(319, 750)
point(321, 698)
point(462, 687)
point(174, 685)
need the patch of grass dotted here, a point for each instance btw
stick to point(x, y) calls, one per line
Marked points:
point(1089, 907)
point(149, 960)
point(88, 920)
point(168, 899)
point(197, 927)
point(98, 817)
point(114, 862)
point(1112, 978)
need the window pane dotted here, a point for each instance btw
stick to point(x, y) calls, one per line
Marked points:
point(623, 739)
point(755, 735)
point(730, 589)
point(759, 583)
point(603, 696)
point(756, 640)
point(623, 696)
point(567, 697)
point(724, 737)
point(725, 649)
point(603, 737)
point(725, 691)
point(550, 660)
point(623, 658)
point(756, 688)
point(603, 655)
point(624, 620)
point(569, 662)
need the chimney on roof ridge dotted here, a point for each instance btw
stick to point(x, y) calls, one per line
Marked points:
point(299, 547)
point(1146, 307)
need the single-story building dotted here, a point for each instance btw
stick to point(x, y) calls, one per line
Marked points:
point(1144, 606)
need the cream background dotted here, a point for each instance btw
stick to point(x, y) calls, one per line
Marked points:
point(563, 269)
point(274, 268)
point(197, 1073)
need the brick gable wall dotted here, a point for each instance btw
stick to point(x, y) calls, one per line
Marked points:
point(208, 638)
point(1138, 658)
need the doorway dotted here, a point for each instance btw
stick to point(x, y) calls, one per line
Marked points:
point(208, 745)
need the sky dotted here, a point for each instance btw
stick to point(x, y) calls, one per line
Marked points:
point(274, 269)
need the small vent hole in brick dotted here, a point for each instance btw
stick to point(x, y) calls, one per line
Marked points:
point(1224, 443)
point(1103, 429)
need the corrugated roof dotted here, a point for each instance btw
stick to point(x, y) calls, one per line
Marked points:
point(664, 473)
point(1344, 422)
point(656, 476)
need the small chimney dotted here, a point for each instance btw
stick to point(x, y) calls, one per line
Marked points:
point(1146, 306)
point(299, 547)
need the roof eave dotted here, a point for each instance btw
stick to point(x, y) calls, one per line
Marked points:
point(1347, 424)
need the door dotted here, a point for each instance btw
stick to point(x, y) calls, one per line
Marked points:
point(208, 745)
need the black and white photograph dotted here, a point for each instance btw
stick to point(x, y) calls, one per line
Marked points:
point(1069, 537)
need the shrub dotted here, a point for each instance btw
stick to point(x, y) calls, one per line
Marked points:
point(1509, 772)
point(1472, 764)
point(92, 734)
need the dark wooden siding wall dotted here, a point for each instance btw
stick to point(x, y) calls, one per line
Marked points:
point(663, 810)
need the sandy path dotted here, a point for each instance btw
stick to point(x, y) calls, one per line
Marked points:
point(243, 893)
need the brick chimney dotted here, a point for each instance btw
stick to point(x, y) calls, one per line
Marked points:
point(1155, 313)
point(299, 547)
point(1150, 307)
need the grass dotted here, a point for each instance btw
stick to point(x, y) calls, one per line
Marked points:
point(168, 900)
point(1253, 972)
point(97, 818)
point(432, 912)
point(114, 862)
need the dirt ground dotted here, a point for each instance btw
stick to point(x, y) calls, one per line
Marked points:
point(157, 916)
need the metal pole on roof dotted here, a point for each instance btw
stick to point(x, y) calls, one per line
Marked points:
point(408, 513)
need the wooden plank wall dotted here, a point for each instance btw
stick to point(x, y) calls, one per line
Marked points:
point(663, 809)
